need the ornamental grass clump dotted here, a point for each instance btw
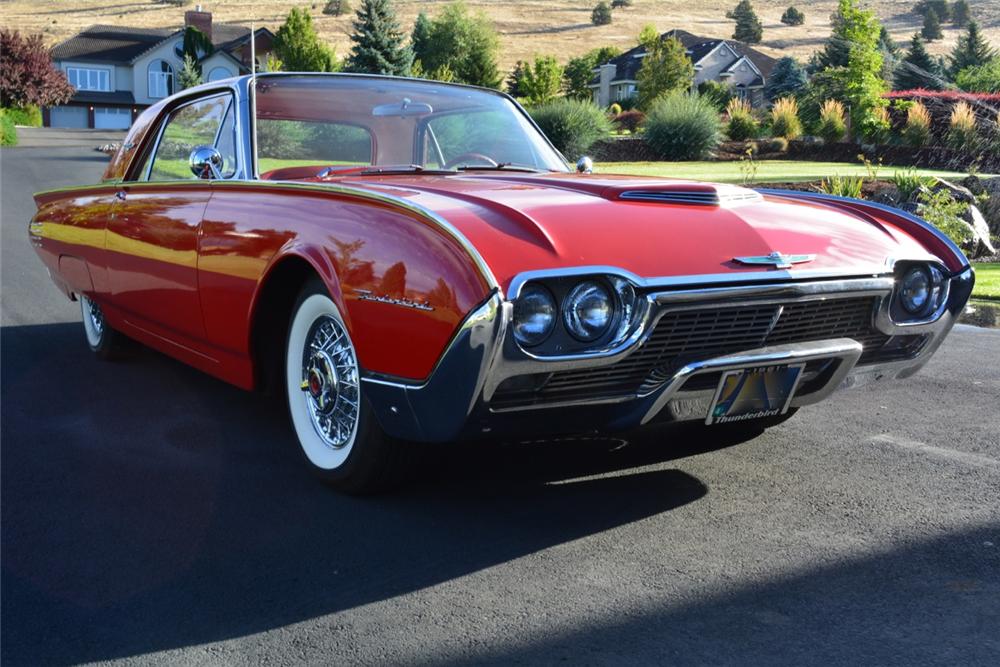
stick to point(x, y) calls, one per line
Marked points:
point(962, 134)
point(572, 126)
point(917, 130)
point(785, 121)
point(832, 125)
point(682, 126)
point(842, 186)
point(742, 125)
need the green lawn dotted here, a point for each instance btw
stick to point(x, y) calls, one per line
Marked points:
point(768, 171)
point(987, 281)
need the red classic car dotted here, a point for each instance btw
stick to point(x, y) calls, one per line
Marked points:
point(411, 261)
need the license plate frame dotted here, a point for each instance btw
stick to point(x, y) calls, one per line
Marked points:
point(755, 392)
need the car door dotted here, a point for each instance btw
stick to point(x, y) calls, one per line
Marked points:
point(152, 239)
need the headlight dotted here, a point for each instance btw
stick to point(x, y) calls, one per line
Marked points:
point(915, 290)
point(534, 315)
point(588, 311)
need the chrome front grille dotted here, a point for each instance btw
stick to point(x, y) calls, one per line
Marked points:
point(683, 336)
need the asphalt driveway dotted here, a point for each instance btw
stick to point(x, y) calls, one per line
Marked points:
point(152, 514)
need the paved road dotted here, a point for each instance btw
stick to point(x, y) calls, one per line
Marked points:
point(151, 514)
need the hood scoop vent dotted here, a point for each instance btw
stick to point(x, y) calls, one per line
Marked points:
point(694, 194)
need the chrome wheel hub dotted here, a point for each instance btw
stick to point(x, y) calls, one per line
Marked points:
point(330, 382)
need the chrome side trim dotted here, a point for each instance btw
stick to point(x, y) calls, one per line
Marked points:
point(821, 198)
point(846, 350)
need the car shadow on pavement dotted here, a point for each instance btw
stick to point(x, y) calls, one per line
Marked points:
point(146, 506)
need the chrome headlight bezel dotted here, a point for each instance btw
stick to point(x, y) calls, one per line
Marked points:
point(624, 303)
point(928, 278)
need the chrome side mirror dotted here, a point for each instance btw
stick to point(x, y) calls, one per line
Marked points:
point(206, 162)
point(585, 165)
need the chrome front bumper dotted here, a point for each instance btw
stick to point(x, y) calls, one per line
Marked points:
point(455, 401)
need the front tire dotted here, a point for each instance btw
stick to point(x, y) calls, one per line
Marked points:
point(337, 431)
point(103, 341)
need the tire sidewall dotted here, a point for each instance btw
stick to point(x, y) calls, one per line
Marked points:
point(335, 465)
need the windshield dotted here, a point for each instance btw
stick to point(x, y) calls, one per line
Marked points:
point(308, 125)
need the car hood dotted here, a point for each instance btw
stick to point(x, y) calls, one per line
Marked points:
point(650, 227)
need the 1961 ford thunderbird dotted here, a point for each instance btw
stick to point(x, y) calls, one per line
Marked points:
point(413, 261)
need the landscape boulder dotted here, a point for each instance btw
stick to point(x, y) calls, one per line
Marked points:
point(979, 244)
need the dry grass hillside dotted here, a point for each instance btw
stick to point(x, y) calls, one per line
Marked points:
point(527, 27)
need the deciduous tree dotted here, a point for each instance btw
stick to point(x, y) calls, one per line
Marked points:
point(541, 80)
point(27, 77)
point(665, 68)
point(580, 70)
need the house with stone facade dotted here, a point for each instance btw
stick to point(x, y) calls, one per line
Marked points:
point(119, 71)
point(736, 64)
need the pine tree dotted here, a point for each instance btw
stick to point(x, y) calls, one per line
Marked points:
point(932, 26)
point(378, 41)
point(298, 46)
point(890, 55)
point(420, 38)
point(666, 68)
point(749, 29)
point(960, 13)
point(917, 69)
point(190, 74)
point(515, 78)
point(971, 50)
point(793, 16)
point(837, 47)
point(786, 78)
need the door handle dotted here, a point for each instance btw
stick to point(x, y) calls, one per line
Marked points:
point(121, 195)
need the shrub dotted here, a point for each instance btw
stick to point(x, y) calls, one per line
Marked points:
point(962, 127)
point(742, 125)
point(571, 125)
point(614, 109)
point(336, 7)
point(793, 16)
point(832, 125)
point(842, 186)
point(773, 145)
point(601, 14)
point(30, 116)
point(682, 126)
point(980, 79)
point(8, 133)
point(874, 126)
point(785, 118)
point(942, 211)
point(917, 130)
point(630, 120)
point(621, 4)
point(909, 183)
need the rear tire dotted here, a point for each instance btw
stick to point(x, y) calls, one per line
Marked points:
point(337, 431)
point(103, 341)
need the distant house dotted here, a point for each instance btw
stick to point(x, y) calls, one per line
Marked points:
point(744, 68)
point(119, 71)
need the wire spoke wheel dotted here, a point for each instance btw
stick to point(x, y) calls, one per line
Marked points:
point(330, 382)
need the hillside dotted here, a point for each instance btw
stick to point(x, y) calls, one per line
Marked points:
point(527, 27)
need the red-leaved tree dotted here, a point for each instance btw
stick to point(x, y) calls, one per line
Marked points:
point(28, 76)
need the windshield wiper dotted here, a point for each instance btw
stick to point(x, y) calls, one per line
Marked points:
point(500, 166)
point(391, 169)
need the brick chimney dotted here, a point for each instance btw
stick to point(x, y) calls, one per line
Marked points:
point(196, 18)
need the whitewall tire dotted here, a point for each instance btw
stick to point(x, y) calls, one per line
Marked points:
point(337, 432)
point(104, 341)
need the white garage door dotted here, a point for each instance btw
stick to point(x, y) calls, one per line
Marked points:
point(112, 118)
point(68, 117)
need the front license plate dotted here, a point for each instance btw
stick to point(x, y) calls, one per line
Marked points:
point(753, 393)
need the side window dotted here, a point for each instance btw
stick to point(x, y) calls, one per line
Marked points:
point(205, 122)
point(293, 143)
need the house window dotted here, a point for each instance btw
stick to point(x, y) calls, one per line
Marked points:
point(219, 73)
point(161, 79)
point(86, 78)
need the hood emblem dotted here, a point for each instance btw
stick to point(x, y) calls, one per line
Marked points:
point(776, 259)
